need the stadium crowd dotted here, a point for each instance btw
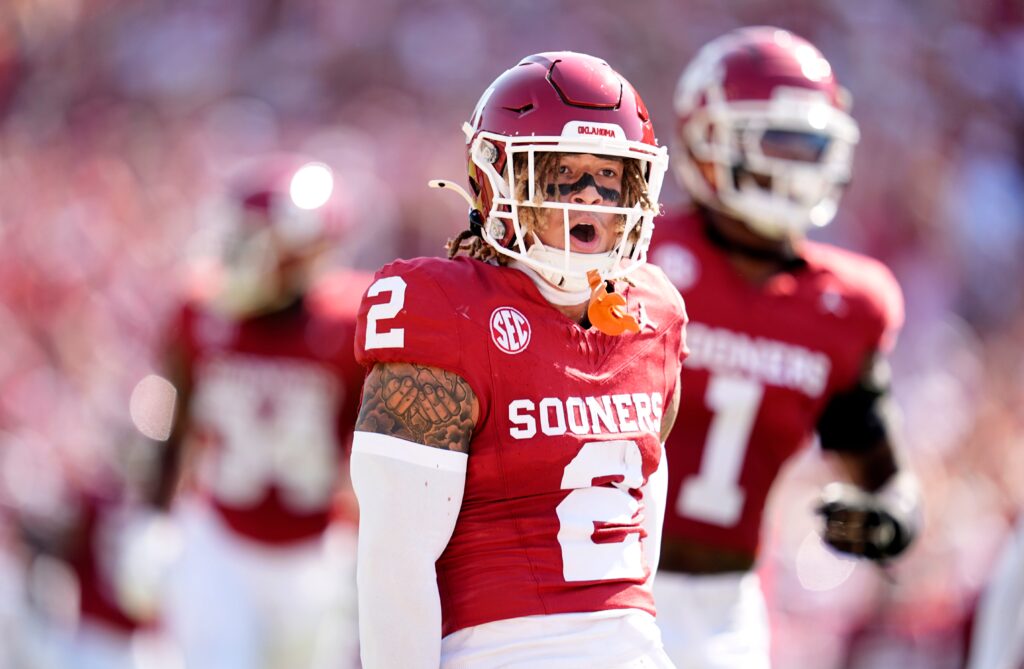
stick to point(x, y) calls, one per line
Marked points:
point(119, 121)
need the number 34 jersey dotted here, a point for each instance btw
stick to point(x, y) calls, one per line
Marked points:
point(764, 363)
point(272, 406)
point(553, 512)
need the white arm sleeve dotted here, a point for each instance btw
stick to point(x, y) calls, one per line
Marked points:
point(655, 492)
point(409, 499)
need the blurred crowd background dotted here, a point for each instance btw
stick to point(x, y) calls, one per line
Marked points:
point(119, 120)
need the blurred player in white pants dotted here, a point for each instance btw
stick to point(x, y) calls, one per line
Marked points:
point(235, 604)
point(262, 357)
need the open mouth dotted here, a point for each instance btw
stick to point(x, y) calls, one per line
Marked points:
point(583, 232)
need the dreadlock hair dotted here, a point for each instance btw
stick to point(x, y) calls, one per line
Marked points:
point(472, 243)
point(634, 189)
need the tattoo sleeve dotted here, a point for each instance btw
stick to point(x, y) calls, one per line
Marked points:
point(427, 405)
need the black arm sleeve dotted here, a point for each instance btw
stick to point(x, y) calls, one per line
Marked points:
point(859, 418)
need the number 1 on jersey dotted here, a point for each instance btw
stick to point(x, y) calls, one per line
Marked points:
point(714, 494)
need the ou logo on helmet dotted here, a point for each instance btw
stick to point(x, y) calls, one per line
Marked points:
point(510, 331)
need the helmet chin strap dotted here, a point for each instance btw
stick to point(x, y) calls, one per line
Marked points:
point(551, 292)
point(579, 264)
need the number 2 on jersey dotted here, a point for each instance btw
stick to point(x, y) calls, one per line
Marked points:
point(587, 505)
point(395, 337)
point(714, 495)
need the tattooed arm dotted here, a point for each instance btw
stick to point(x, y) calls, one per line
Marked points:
point(409, 458)
point(426, 405)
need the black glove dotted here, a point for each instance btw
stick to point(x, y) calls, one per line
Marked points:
point(856, 522)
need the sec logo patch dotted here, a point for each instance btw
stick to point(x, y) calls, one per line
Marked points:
point(510, 331)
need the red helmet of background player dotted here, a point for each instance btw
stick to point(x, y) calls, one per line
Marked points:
point(283, 212)
point(295, 197)
point(560, 102)
point(764, 134)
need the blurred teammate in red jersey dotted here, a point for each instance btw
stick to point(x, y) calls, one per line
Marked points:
point(268, 387)
point(507, 458)
point(118, 552)
point(788, 338)
point(95, 556)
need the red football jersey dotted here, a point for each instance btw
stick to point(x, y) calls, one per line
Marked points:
point(274, 400)
point(91, 558)
point(764, 362)
point(568, 432)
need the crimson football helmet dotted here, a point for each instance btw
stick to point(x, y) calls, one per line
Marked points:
point(560, 102)
point(764, 134)
point(282, 212)
point(293, 196)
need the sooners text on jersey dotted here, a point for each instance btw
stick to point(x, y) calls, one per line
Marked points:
point(551, 521)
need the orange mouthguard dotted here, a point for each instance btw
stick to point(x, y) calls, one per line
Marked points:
point(607, 309)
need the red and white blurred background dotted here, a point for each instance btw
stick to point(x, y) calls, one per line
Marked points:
point(119, 119)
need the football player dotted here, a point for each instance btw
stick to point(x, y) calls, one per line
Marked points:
point(507, 459)
point(788, 338)
point(268, 388)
